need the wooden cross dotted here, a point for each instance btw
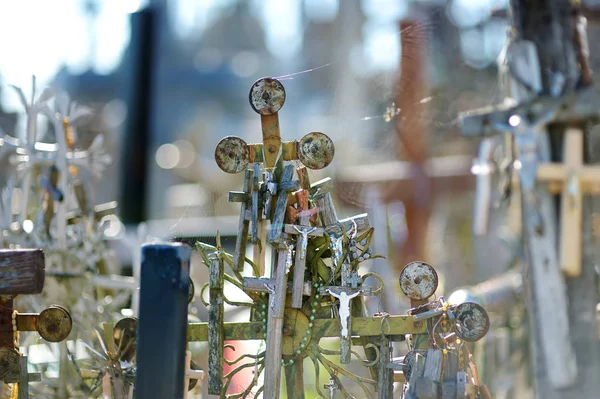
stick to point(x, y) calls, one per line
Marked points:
point(275, 327)
point(572, 179)
point(303, 230)
point(419, 180)
point(22, 273)
point(335, 229)
point(286, 185)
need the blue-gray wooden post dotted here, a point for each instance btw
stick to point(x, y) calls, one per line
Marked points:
point(162, 325)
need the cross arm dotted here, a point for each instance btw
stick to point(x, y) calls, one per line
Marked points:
point(293, 229)
point(361, 222)
point(579, 106)
point(361, 326)
point(22, 271)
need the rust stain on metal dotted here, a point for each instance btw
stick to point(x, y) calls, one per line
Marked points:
point(418, 280)
point(471, 321)
point(54, 324)
point(232, 154)
point(192, 291)
point(316, 150)
point(267, 96)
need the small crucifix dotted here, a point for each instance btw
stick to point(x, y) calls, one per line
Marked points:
point(332, 387)
point(303, 230)
point(344, 295)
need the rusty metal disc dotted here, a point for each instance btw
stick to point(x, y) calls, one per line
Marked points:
point(232, 154)
point(125, 336)
point(54, 323)
point(10, 368)
point(267, 96)
point(316, 150)
point(471, 321)
point(191, 291)
point(418, 280)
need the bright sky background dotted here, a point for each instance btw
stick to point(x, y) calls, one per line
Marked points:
point(40, 36)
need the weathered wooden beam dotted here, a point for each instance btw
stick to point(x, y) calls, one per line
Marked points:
point(361, 326)
point(161, 338)
point(216, 318)
point(22, 271)
point(259, 284)
point(274, 328)
point(241, 240)
point(278, 217)
point(397, 180)
point(385, 389)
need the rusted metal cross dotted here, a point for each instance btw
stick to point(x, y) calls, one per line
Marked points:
point(233, 155)
point(22, 272)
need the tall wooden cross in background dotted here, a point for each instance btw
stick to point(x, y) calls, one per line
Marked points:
point(419, 180)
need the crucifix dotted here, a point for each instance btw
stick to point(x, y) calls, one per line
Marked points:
point(344, 295)
point(22, 273)
point(303, 230)
point(332, 386)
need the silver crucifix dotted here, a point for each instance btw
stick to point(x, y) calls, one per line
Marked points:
point(304, 232)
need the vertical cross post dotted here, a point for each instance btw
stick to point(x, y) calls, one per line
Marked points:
point(162, 326)
point(245, 198)
point(275, 328)
point(285, 186)
point(216, 317)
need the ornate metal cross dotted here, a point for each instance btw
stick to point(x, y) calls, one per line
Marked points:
point(293, 318)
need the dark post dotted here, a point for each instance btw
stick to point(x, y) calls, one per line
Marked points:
point(162, 326)
point(139, 82)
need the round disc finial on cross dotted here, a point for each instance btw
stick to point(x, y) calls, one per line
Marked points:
point(267, 96)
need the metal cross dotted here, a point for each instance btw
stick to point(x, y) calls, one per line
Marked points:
point(332, 386)
point(344, 295)
point(355, 280)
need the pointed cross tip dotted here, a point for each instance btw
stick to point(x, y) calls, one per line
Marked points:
point(218, 240)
